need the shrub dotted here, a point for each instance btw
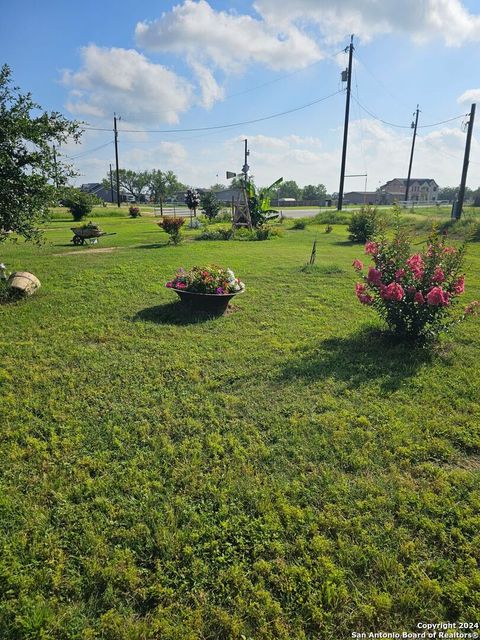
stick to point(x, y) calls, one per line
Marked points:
point(301, 223)
point(172, 226)
point(218, 234)
point(413, 293)
point(209, 279)
point(134, 212)
point(192, 200)
point(364, 224)
point(211, 207)
point(79, 203)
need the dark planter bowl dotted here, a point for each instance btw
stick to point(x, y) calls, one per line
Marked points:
point(211, 303)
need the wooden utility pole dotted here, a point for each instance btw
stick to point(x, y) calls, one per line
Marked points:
point(457, 211)
point(414, 127)
point(345, 126)
point(116, 158)
point(111, 184)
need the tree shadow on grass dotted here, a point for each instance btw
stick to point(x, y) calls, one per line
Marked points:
point(357, 360)
point(173, 313)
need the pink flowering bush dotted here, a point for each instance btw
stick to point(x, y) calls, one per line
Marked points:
point(413, 292)
point(212, 279)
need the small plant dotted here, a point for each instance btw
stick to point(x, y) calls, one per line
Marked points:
point(172, 226)
point(300, 224)
point(79, 203)
point(328, 228)
point(211, 207)
point(218, 234)
point(364, 224)
point(134, 212)
point(192, 200)
point(413, 293)
point(210, 279)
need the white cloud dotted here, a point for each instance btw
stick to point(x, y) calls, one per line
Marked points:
point(228, 40)
point(211, 91)
point(472, 95)
point(124, 81)
point(421, 19)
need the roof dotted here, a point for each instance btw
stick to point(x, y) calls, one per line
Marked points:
point(404, 180)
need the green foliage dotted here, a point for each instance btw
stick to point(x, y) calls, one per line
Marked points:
point(217, 234)
point(27, 160)
point(312, 192)
point(300, 223)
point(211, 207)
point(172, 226)
point(259, 203)
point(288, 189)
point(192, 199)
point(364, 224)
point(78, 202)
point(162, 185)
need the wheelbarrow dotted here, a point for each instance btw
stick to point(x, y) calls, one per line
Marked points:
point(89, 232)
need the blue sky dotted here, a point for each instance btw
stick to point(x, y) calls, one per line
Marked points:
point(191, 64)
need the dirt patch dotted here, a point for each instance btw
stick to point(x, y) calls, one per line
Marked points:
point(83, 251)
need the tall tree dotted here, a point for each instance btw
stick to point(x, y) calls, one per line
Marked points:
point(162, 184)
point(133, 182)
point(289, 189)
point(30, 167)
point(312, 192)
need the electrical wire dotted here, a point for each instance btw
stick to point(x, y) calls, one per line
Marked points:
point(405, 126)
point(222, 126)
point(84, 153)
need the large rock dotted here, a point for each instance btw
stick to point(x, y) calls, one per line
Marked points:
point(23, 283)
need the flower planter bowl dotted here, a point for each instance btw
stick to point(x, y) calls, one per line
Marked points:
point(211, 303)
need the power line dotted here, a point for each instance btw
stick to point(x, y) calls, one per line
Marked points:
point(222, 126)
point(405, 126)
point(84, 153)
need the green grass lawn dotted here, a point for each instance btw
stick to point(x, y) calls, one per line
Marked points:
point(280, 472)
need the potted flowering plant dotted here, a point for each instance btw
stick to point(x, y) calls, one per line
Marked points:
point(206, 288)
point(413, 292)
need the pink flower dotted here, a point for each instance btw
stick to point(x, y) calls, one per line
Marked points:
point(416, 265)
point(169, 285)
point(180, 285)
point(374, 276)
point(357, 264)
point(365, 298)
point(360, 288)
point(399, 273)
point(371, 248)
point(418, 298)
point(449, 251)
point(437, 297)
point(438, 275)
point(472, 308)
point(459, 285)
point(393, 291)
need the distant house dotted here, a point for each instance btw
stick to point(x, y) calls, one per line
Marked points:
point(362, 197)
point(97, 189)
point(226, 195)
point(420, 190)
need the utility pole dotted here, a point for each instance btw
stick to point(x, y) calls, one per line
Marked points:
point(55, 166)
point(345, 126)
point(457, 211)
point(116, 158)
point(245, 167)
point(111, 184)
point(414, 127)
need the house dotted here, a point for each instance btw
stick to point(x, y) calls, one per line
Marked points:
point(97, 189)
point(362, 197)
point(420, 190)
